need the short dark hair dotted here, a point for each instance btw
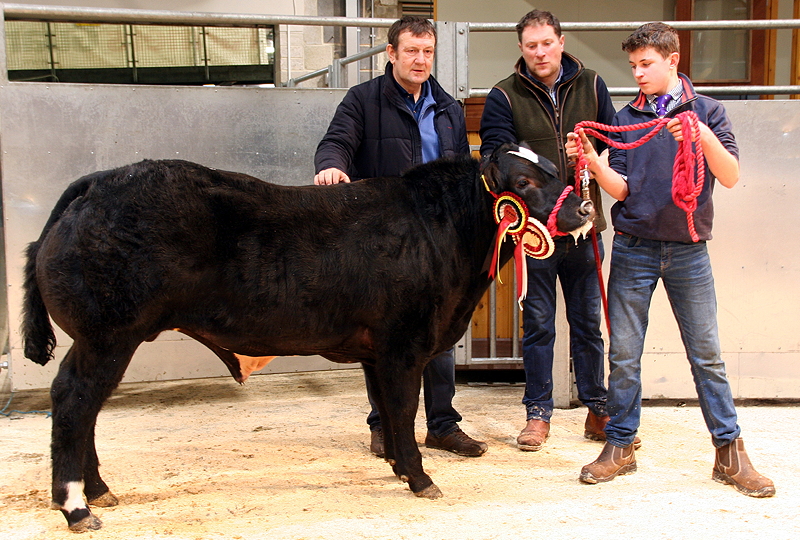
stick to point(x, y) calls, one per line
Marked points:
point(658, 35)
point(538, 18)
point(418, 26)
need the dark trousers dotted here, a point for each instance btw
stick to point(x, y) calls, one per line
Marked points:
point(439, 387)
point(574, 265)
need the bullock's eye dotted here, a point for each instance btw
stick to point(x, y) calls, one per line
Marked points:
point(522, 183)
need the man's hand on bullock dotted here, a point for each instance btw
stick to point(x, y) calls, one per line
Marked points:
point(330, 176)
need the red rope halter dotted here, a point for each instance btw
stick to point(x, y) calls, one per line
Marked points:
point(686, 185)
point(552, 219)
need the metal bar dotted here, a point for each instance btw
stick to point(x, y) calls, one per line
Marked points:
point(708, 90)
point(51, 51)
point(307, 76)
point(363, 54)
point(493, 320)
point(144, 16)
point(277, 59)
point(515, 322)
point(288, 54)
point(134, 68)
point(759, 24)
point(352, 44)
point(339, 62)
point(205, 51)
point(336, 74)
point(115, 15)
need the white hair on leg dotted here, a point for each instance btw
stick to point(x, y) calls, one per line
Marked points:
point(74, 497)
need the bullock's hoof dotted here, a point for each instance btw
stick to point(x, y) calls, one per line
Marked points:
point(82, 520)
point(105, 500)
point(430, 492)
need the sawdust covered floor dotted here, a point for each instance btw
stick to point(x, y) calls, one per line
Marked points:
point(285, 457)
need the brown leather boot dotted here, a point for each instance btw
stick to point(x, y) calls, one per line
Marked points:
point(533, 436)
point(733, 467)
point(376, 443)
point(594, 429)
point(612, 462)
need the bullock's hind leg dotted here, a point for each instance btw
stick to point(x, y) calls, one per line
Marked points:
point(397, 397)
point(85, 380)
point(95, 489)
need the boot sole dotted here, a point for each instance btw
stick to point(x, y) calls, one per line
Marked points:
point(532, 447)
point(588, 478)
point(723, 478)
point(476, 453)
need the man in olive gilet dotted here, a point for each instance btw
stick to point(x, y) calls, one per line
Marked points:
point(548, 93)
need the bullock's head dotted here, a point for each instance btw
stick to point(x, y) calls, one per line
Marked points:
point(534, 179)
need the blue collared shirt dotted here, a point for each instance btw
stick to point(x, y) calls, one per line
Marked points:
point(424, 110)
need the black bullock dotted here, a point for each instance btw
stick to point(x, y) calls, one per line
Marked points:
point(386, 272)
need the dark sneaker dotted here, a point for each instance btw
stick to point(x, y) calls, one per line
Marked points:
point(612, 462)
point(733, 467)
point(376, 443)
point(457, 442)
point(533, 436)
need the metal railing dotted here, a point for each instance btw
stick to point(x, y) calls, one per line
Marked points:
point(774, 24)
point(24, 12)
point(335, 71)
point(457, 85)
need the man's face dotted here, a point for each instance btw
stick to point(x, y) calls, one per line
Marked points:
point(653, 73)
point(412, 60)
point(542, 49)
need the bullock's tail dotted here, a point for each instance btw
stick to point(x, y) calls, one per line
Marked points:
point(38, 337)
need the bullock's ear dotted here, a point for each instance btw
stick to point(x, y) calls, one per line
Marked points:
point(490, 172)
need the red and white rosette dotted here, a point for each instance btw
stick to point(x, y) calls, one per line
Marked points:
point(530, 236)
point(536, 240)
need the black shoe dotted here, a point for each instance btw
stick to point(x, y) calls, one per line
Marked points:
point(376, 443)
point(457, 442)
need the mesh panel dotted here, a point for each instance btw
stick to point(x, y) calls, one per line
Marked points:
point(88, 46)
point(119, 46)
point(165, 46)
point(232, 46)
point(27, 45)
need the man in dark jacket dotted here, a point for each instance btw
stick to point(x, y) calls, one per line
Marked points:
point(381, 128)
point(549, 92)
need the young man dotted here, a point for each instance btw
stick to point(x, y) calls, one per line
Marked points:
point(381, 128)
point(548, 93)
point(652, 241)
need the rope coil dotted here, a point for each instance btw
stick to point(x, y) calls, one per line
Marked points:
point(688, 170)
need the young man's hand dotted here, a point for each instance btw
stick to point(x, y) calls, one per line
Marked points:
point(675, 127)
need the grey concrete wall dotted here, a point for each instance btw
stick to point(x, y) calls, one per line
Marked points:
point(53, 134)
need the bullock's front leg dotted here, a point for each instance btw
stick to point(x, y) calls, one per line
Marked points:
point(397, 397)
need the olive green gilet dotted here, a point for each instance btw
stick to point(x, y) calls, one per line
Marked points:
point(546, 134)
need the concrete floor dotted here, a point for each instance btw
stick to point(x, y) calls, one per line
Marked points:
point(285, 457)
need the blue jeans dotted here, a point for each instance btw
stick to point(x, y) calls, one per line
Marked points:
point(574, 265)
point(636, 266)
point(439, 387)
